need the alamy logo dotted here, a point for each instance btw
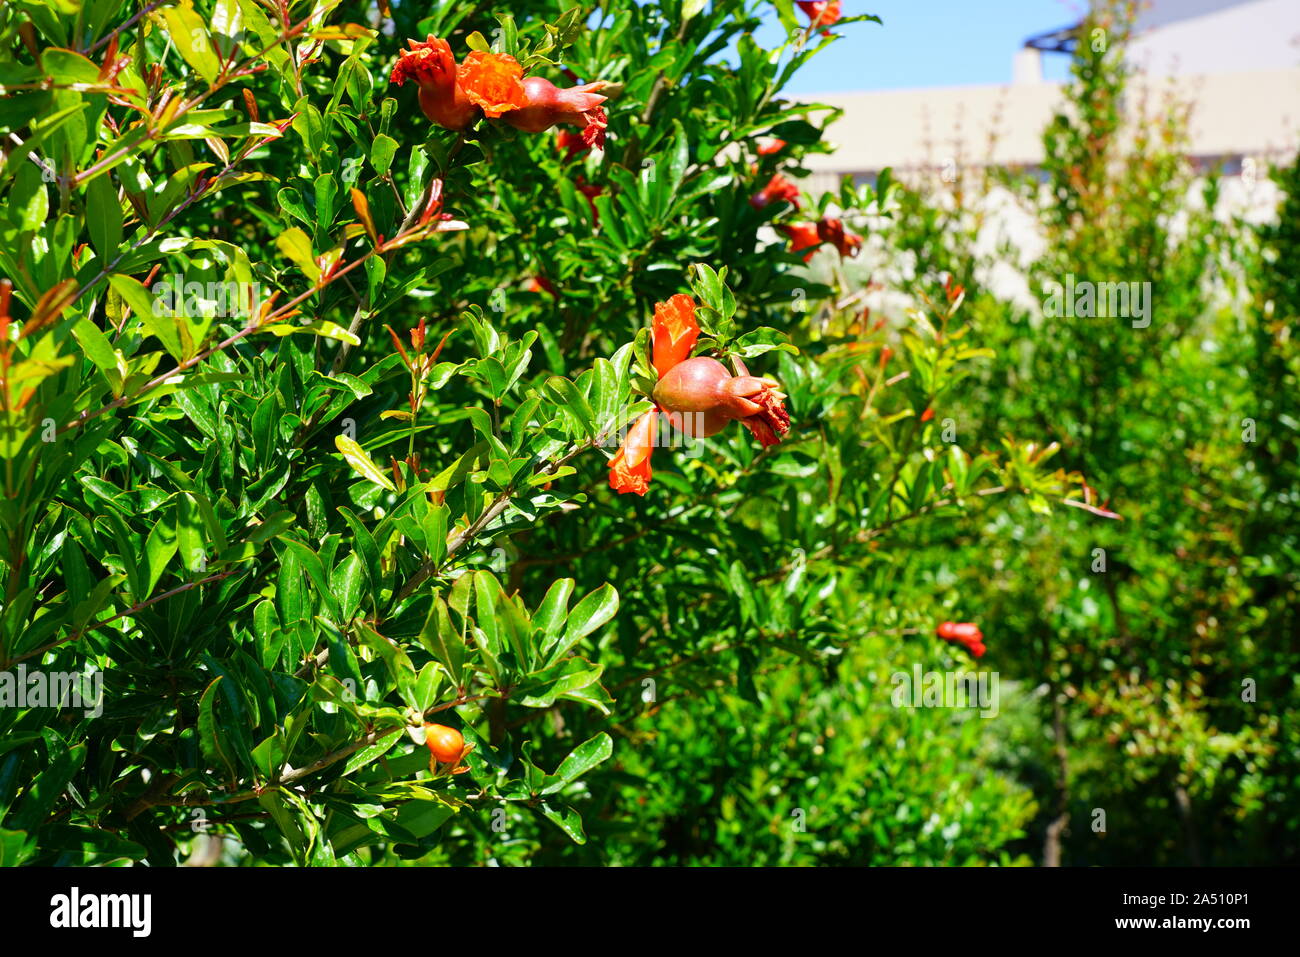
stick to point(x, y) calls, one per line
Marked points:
point(946, 689)
point(1098, 300)
point(75, 910)
point(679, 430)
point(21, 688)
point(223, 300)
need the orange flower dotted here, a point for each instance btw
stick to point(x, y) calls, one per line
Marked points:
point(493, 81)
point(629, 469)
point(540, 284)
point(428, 64)
point(591, 191)
point(675, 332)
point(767, 149)
point(966, 634)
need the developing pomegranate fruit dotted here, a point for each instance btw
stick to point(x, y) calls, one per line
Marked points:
point(493, 85)
point(447, 745)
point(705, 387)
point(698, 397)
point(548, 104)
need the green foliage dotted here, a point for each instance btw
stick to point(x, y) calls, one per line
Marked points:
point(307, 412)
point(1165, 642)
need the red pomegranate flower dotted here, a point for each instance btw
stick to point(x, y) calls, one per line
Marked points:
point(629, 469)
point(778, 188)
point(832, 231)
point(540, 284)
point(775, 146)
point(570, 144)
point(591, 191)
point(494, 83)
point(433, 68)
point(803, 236)
point(966, 634)
point(547, 104)
point(806, 237)
point(675, 332)
point(821, 13)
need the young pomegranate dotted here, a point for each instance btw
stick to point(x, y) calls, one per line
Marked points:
point(698, 396)
point(447, 748)
point(548, 104)
point(704, 386)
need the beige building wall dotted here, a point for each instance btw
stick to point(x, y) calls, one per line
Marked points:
point(1234, 115)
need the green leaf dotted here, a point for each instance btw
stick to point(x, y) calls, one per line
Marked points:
point(349, 582)
point(382, 151)
point(324, 328)
point(567, 396)
point(210, 738)
point(101, 352)
point(581, 760)
point(315, 568)
point(361, 463)
point(142, 303)
point(441, 639)
point(591, 613)
point(104, 215)
point(295, 246)
point(15, 847)
point(566, 819)
point(553, 610)
point(189, 36)
point(397, 661)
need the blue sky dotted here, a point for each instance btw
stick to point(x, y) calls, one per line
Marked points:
point(929, 43)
